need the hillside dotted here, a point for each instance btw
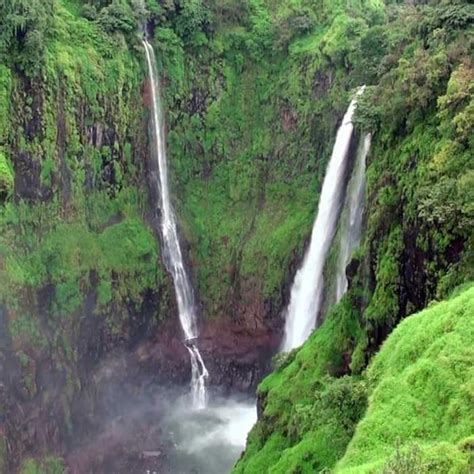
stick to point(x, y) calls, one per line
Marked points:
point(409, 412)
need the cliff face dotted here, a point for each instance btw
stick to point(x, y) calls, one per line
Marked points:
point(79, 262)
point(85, 303)
point(253, 101)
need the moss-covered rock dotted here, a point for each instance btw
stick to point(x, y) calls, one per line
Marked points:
point(6, 177)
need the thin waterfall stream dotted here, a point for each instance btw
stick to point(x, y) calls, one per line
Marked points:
point(351, 219)
point(171, 247)
point(307, 290)
point(207, 435)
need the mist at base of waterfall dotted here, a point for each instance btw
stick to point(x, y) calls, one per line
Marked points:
point(146, 428)
point(208, 441)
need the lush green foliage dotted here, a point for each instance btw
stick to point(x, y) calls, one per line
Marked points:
point(6, 177)
point(421, 395)
point(310, 411)
point(254, 90)
point(77, 129)
point(76, 247)
point(417, 244)
point(122, 258)
point(47, 466)
point(253, 98)
point(418, 412)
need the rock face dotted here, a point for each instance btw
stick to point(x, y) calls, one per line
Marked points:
point(239, 357)
point(88, 323)
point(69, 403)
point(237, 351)
point(87, 312)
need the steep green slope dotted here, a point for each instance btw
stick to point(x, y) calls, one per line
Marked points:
point(411, 410)
point(420, 406)
point(307, 416)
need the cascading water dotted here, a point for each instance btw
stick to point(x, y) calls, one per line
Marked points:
point(351, 219)
point(307, 290)
point(171, 246)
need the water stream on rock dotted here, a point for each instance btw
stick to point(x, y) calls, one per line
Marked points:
point(351, 219)
point(207, 435)
point(307, 289)
point(171, 246)
point(210, 440)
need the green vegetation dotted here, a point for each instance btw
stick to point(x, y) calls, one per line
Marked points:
point(254, 91)
point(417, 245)
point(410, 411)
point(77, 250)
point(421, 395)
point(253, 98)
point(123, 258)
point(75, 138)
point(311, 411)
point(49, 465)
point(6, 176)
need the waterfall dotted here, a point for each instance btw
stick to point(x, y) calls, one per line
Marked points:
point(351, 219)
point(171, 247)
point(307, 289)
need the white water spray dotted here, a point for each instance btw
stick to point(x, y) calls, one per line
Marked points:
point(171, 246)
point(351, 219)
point(307, 290)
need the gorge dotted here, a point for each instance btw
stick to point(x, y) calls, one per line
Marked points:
point(166, 200)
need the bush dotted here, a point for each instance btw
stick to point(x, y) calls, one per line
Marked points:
point(118, 16)
point(6, 177)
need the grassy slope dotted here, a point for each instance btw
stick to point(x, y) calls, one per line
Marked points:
point(308, 416)
point(418, 408)
point(421, 395)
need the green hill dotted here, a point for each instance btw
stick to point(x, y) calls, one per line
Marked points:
point(418, 391)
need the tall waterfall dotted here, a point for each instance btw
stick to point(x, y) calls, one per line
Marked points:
point(171, 246)
point(351, 219)
point(307, 290)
